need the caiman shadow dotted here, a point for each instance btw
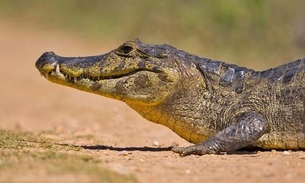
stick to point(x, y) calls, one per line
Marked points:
point(111, 148)
point(159, 149)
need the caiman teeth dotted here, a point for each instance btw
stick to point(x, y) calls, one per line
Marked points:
point(46, 75)
point(57, 70)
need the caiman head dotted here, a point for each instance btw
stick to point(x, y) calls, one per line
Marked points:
point(136, 73)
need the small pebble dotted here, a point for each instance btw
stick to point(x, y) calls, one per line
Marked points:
point(286, 152)
point(123, 153)
point(141, 160)
point(187, 171)
point(156, 143)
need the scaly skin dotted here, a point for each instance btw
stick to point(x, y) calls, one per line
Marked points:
point(218, 106)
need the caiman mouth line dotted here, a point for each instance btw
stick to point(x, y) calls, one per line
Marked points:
point(57, 72)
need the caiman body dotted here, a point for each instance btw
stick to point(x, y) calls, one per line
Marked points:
point(217, 106)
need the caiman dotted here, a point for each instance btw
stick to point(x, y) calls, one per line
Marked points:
point(218, 106)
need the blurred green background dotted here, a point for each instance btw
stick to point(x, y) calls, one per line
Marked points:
point(264, 32)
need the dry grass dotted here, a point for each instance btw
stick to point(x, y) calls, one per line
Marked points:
point(28, 157)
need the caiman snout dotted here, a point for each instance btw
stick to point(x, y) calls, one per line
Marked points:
point(58, 68)
point(47, 58)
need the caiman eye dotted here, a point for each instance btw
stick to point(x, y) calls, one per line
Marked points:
point(126, 49)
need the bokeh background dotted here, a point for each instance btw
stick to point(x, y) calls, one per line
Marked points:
point(256, 33)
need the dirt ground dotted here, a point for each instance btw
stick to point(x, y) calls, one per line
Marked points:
point(124, 141)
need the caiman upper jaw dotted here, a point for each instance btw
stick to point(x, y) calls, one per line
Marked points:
point(70, 68)
point(73, 69)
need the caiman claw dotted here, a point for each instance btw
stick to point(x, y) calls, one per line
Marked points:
point(192, 150)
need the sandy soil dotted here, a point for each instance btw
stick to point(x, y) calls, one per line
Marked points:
point(123, 140)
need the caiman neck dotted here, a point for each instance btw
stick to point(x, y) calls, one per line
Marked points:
point(174, 114)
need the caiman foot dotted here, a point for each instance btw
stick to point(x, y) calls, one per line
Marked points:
point(248, 128)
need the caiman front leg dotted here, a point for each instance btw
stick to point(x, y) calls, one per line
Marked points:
point(248, 128)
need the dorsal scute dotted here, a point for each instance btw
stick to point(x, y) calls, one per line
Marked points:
point(284, 73)
point(221, 72)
